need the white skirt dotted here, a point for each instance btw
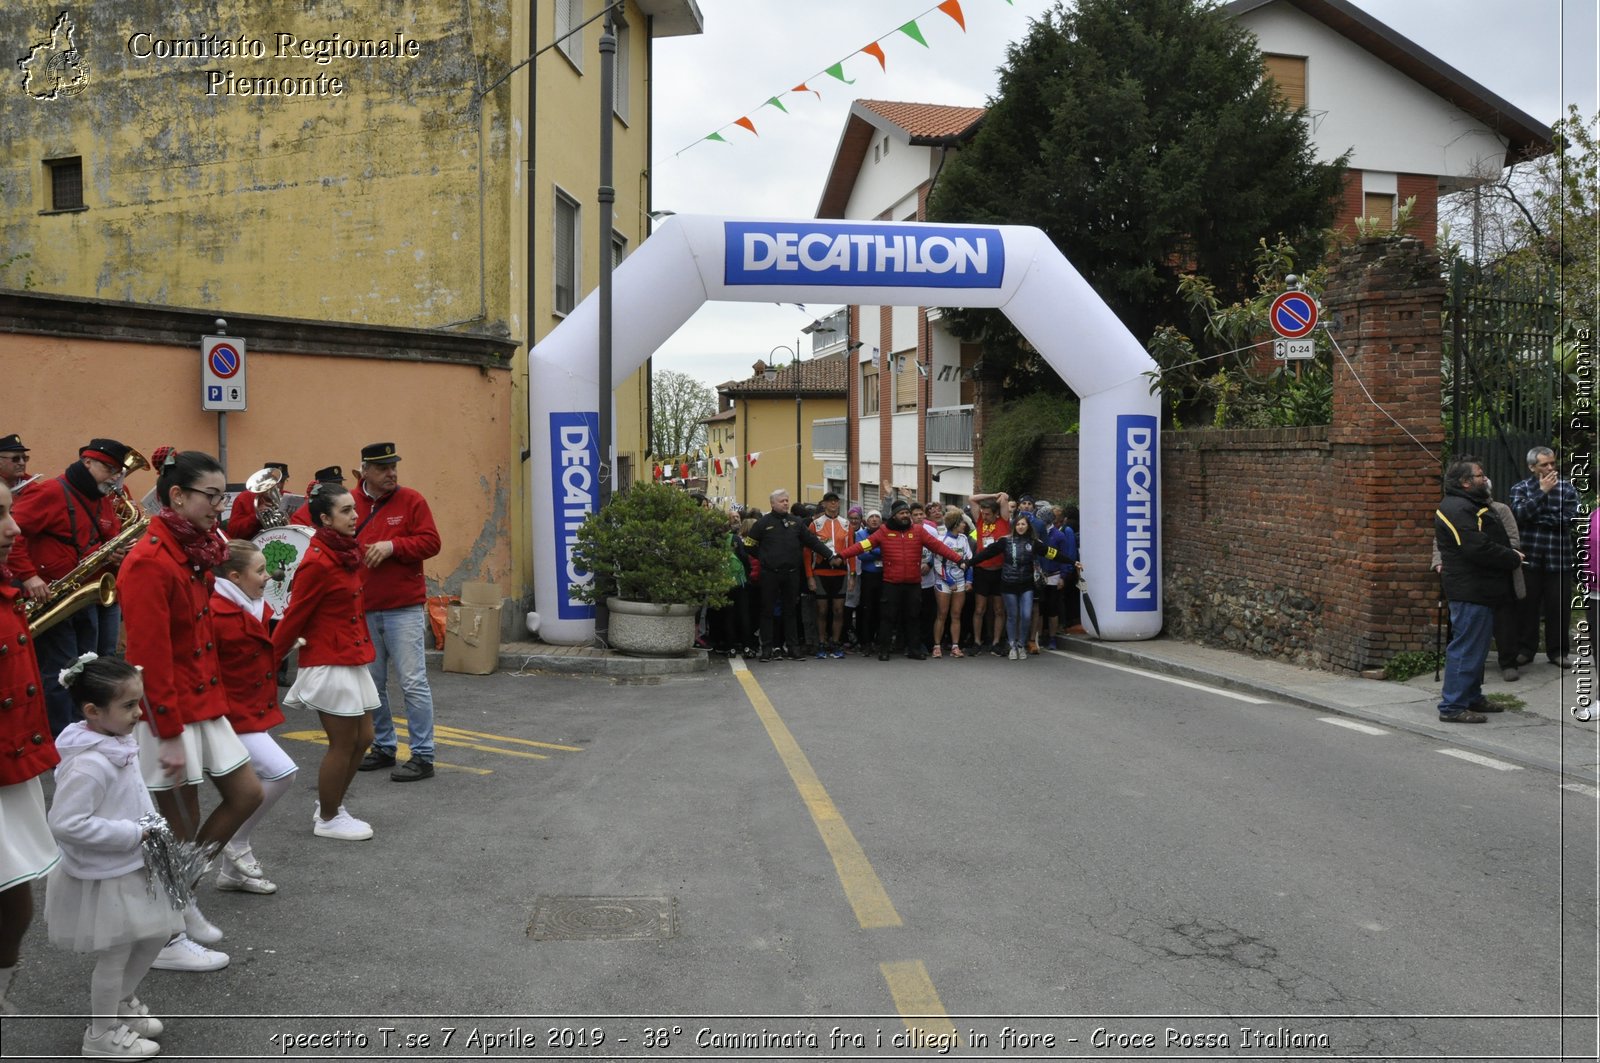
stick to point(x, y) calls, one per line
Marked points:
point(336, 689)
point(209, 747)
point(27, 848)
point(94, 914)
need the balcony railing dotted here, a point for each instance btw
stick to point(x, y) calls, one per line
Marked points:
point(950, 430)
point(828, 435)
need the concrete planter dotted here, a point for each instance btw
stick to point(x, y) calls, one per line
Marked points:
point(642, 629)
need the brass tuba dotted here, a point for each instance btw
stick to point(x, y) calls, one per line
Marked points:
point(267, 486)
point(83, 587)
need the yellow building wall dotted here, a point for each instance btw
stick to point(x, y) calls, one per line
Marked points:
point(722, 440)
point(767, 426)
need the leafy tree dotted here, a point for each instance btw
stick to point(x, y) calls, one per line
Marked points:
point(1143, 137)
point(678, 402)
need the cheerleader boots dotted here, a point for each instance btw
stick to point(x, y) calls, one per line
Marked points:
point(118, 1042)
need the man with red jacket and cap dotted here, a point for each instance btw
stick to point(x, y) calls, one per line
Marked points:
point(244, 520)
point(331, 475)
point(397, 534)
point(902, 543)
point(65, 520)
point(14, 474)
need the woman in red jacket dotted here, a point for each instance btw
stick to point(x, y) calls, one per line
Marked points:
point(250, 676)
point(27, 849)
point(165, 586)
point(325, 608)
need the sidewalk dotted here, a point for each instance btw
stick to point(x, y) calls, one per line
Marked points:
point(1541, 735)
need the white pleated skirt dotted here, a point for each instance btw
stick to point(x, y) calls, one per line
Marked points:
point(209, 748)
point(27, 848)
point(94, 914)
point(336, 689)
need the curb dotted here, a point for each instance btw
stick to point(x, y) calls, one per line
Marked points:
point(536, 657)
point(1085, 647)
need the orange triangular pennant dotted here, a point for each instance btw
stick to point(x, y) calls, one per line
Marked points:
point(803, 87)
point(953, 9)
point(876, 51)
point(747, 124)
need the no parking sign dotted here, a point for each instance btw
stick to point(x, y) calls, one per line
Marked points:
point(222, 373)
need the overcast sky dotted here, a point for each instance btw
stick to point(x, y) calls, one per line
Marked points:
point(753, 49)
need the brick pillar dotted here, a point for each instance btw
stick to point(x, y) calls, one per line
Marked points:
point(1385, 302)
point(986, 398)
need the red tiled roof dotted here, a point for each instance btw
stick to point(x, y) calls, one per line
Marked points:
point(926, 121)
point(820, 376)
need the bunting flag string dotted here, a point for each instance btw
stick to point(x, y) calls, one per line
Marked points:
point(912, 29)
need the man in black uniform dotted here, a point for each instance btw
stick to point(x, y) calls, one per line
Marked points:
point(778, 539)
point(1478, 562)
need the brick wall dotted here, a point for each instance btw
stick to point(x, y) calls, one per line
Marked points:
point(1311, 544)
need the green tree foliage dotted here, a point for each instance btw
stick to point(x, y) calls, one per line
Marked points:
point(653, 543)
point(1143, 138)
point(1012, 436)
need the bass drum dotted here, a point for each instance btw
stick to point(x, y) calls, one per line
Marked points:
point(283, 548)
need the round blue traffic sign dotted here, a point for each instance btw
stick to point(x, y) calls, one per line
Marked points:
point(224, 361)
point(1294, 314)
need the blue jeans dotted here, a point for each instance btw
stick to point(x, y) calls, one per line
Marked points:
point(397, 635)
point(1019, 616)
point(55, 649)
point(1472, 627)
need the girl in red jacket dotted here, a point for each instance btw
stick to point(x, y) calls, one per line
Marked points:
point(184, 734)
point(27, 849)
point(325, 607)
point(250, 676)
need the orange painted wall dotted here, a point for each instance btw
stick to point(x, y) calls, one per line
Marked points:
point(449, 422)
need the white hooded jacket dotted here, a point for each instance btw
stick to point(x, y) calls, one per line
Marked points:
point(100, 796)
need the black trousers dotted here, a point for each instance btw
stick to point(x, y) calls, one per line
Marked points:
point(870, 610)
point(902, 615)
point(1549, 601)
point(780, 587)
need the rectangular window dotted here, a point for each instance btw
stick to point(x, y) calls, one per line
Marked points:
point(66, 183)
point(619, 248)
point(1379, 205)
point(619, 72)
point(869, 389)
point(869, 495)
point(905, 380)
point(565, 238)
point(569, 13)
point(1288, 73)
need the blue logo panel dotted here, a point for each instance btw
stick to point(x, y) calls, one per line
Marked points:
point(574, 474)
point(1138, 504)
point(862, 255)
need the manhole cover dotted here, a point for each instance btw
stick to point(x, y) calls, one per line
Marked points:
point(603, 918)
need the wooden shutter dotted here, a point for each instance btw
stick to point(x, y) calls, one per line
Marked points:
point(1288, 72)
point(1379, 205)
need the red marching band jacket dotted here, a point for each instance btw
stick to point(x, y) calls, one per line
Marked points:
point(902, 551)
point(26, 749)
point(61, 527)
point(403, 518)
point(249, 666)
point(166, 612)
point(325, 609)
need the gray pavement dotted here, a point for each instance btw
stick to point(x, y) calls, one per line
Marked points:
point(1541, 734)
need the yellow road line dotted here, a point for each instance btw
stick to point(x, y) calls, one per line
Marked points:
point(861, 884)
point(442, 740)
point(917, 1001)
point(440, 729)
point(320, 739)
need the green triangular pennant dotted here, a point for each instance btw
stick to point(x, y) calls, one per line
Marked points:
point(775, 102)
point(912, 30)
point(717, 137)
point(837, 71)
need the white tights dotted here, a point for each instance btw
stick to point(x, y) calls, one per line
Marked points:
point(117, 974)
point(271, 790)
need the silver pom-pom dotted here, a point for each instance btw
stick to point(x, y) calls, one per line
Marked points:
point(170, 863)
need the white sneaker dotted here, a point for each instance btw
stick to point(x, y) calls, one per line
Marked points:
point(198, 927)
point(1012, 656)
point(182, 954)
point(243, 861)
point(343, 827)
point(230, 881)
point(119, 1042)
point(135, 1014)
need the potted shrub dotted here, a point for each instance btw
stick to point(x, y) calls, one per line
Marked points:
point(655, 557)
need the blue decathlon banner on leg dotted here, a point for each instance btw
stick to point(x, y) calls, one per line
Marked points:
point(574, 469)
point(1138, 445)
point(862, 255)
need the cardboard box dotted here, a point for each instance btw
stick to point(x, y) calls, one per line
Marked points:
point(472, 631)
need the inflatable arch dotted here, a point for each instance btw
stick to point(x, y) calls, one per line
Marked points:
point(691, 260)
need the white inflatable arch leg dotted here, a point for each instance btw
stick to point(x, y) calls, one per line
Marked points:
point(693, 260)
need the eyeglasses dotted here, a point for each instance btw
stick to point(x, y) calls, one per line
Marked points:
point(213, 496)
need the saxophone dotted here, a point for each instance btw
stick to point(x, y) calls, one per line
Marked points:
point(80, 588)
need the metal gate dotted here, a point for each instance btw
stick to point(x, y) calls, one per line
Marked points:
point(1500, 388)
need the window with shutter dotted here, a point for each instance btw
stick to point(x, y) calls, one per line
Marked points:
point(905, 380)
point(565, 238)
point(1288, 72)
point(66, 183)
point(869, 389)
point(619, 73)
point(1379, 205)
point(569, 13)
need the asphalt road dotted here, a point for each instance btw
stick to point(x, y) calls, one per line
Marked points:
point(1108, 864)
